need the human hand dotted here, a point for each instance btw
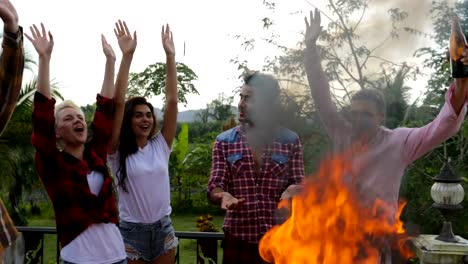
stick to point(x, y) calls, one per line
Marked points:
point(313, 29)
point(107, 48)
point(167, 41)
point(127, 43)
point(41, 43)
point(229, 202)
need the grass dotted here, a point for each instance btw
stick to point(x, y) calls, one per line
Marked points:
point(181, 223)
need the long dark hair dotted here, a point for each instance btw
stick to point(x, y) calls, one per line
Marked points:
point(128, 144)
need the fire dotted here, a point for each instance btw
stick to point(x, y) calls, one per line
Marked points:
point(329, 224)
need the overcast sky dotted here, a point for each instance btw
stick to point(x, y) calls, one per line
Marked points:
point(207, 27)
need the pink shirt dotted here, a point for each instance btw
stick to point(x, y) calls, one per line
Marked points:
point(380, 167)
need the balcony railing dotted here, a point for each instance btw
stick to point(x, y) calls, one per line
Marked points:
point(34, 243)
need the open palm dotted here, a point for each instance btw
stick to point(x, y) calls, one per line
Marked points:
point(127, 43)
point(107, 48)
point(41, 43)
point(313, 29)
point(167, 41)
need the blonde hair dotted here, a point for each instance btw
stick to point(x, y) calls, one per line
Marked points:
point(67, 104)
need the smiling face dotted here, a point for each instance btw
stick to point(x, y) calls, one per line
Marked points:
point(142, 121)
point(71, 129)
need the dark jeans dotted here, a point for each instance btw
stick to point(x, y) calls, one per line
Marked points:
point(238, 251)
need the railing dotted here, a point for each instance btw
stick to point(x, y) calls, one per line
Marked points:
point(34, 242)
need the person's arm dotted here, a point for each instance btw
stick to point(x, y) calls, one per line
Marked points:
point(170, 113)
point(11, 74)
point(334, 124)
point(419, 141)
point(108, 88)
point(219, 173)
point(43, 119)
point(44, 47)
point(217, 184)
point(11, 62)
point(296, 173)
point(127, 45)
point(8, 232)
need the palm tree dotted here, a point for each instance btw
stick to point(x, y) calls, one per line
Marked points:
point(396, 95)
point(17, 170)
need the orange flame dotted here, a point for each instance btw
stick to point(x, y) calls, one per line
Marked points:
point(329, 224)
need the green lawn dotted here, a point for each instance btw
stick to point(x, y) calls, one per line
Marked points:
point(181, 223)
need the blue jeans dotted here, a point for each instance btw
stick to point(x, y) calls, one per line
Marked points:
point(148, 241)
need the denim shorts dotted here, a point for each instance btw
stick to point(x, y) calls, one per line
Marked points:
point(118, 262)
point(148, 241)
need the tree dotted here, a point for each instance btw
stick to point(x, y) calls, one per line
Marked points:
point(152, 81)
point(419, 211)
point(396, 96)
point(17, 172)
point(178, 153)
point(203, 115)
point(436, 56)
point(221, 107)
point(349, 62)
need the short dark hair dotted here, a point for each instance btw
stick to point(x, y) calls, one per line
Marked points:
point(371, 95)
point(265, 84)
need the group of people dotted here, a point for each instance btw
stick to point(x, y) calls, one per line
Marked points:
point(255, 164)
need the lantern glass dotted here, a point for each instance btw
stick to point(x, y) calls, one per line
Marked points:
point(447, 193)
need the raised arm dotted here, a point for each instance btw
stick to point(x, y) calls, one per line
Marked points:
point(419, 141)
point(11, 62)
point(44, 47)
point(44, 137)
point(127, 45)
point(170, 113)
point(108, 88)
point(334, 124)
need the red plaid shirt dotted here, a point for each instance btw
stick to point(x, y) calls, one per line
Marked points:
point(233, 170)
point(11, 76)
point(65, 177)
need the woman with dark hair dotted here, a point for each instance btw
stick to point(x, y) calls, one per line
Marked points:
point(75, 176)
point(139, 160)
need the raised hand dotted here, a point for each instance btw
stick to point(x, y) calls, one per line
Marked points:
point(313, 29)
point(39, 39)
point(107, 48)
point(127, 44)
point(9, 16)
point(167, 41)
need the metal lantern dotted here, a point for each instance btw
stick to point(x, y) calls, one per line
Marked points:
point(447, 194)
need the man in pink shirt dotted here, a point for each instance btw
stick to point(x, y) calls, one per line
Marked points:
point(385, 153)
point(379, 156)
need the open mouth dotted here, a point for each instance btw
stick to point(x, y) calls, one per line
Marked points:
point(145, 127)
point(79, 129)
